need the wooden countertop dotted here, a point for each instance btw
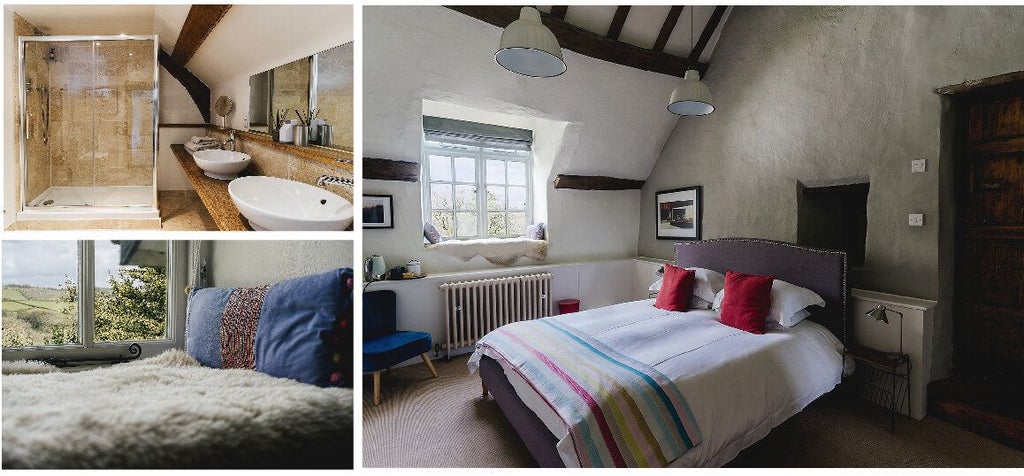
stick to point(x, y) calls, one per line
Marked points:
point(213, 193)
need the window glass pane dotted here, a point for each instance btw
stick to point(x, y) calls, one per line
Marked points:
point(496, 224)
point(465, 197)
point(465, 169)
point(441, 196)
point(40, 283)
point(517, 223)
point(444, 222)
point(517, 173)
point(440, 168)
point(517, 198)
point(495, 197)
point(496, 171)
point(131, 290)
point(466, 223)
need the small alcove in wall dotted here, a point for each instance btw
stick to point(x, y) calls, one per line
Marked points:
point(834, 216)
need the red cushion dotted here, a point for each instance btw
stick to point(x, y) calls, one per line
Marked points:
point(748, 297)
point(676, 289)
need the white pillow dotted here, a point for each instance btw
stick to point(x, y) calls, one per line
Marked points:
point(706, 284)
point(789, 303)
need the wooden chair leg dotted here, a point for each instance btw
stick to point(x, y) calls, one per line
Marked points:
point(430, 365)
point(376, 388)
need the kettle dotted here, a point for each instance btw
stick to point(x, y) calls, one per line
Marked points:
point(374, 267)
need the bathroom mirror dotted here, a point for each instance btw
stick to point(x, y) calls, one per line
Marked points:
point(322, 83)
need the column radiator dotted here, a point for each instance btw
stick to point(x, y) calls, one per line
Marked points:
point(474, 308)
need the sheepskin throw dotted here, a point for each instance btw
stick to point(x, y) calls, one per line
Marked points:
point(13, 367)
point(500, 251)
point(168, 411)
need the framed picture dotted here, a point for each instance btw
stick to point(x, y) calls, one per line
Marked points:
point(679, 214)
point(378, 211)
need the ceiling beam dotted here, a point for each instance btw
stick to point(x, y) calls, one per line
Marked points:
point(666, 28)
point(615, 29)
point(196, 88)
point(584, 42)
point(558, 11)
point(199, 23)
point(705, 36)
point(596, 182)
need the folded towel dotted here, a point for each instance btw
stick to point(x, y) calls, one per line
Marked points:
point(193, 148)
point(203, 140)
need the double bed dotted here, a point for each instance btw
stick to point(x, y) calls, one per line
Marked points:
point(733, 386)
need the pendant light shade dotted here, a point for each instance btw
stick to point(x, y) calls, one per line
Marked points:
point(529, 48)
point(691, 97)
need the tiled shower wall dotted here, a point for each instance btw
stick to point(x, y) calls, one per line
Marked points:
point(101, 114)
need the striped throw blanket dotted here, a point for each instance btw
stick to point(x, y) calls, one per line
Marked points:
point(618, 412)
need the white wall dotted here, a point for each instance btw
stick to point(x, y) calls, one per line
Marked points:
point(253, 38)
point(256, 262)
point(169, 174)
point(595, 284)
point(613, 121)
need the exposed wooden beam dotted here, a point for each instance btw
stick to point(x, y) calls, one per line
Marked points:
point(977, 84)
point(666, 28)
point(196, 88)
point(705, 36)
point(574, 38)
point(558, 11)
point(199, 23)
point(386, 169)
point(615, 29)
point(596, 182)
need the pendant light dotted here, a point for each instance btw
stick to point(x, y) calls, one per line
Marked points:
point(691, 97)
point(529, 48)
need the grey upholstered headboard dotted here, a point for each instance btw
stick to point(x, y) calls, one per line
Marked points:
point(822, 271)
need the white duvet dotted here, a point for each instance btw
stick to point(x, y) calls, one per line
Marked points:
point(738, 385)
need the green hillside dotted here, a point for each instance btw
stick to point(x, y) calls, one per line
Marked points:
point(31, 313)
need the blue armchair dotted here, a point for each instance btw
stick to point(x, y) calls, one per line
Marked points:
point(383, 346)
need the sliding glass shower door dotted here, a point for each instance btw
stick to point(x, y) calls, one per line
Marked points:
point(89, 114)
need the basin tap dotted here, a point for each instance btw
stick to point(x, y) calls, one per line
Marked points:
point(331, 179)
point(230, 139)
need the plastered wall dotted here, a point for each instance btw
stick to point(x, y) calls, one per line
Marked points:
point(613, 119)
point(256, 262)
point(830, 93)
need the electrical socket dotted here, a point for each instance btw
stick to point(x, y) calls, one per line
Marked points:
point(918, 166)
point(916, 219)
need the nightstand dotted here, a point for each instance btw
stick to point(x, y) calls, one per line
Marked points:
point(885, 376)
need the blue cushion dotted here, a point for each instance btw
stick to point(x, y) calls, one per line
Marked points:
point(302, 326)
point(385, 351)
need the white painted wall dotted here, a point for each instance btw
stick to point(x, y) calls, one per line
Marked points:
point(595, 284)
point(256, 262)
point(169, 174)
point(253, 38)
point(613, 122)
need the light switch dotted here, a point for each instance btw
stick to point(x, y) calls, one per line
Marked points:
point(918, 166)
point(916, 219)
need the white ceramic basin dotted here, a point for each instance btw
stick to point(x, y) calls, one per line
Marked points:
point(272, 203)
point(221, 164)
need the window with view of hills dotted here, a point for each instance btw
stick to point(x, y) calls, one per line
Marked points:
point(80, 294)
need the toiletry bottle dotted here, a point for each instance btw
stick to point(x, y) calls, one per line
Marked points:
point(286, 134)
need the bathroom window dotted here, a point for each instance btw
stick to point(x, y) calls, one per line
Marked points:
point(477, 179)
point(65, 297)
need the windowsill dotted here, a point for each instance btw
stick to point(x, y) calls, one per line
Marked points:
point(499, 251)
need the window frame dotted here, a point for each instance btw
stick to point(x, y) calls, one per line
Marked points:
point(477, 153)
point(177, 279)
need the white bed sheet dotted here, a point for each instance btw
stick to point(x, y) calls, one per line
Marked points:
point(738, 385)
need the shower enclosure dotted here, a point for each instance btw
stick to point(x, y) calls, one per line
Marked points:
point(88, 110)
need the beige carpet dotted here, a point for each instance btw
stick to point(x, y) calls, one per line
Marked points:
point(443, 422)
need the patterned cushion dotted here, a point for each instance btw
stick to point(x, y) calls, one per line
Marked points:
point(431, 233)
point(535, 232)
point(299, 328)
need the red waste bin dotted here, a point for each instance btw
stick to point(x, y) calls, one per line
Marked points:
point(566, 306)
